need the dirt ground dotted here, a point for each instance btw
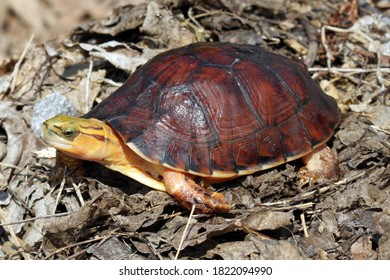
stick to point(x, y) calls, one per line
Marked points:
point(77, 57)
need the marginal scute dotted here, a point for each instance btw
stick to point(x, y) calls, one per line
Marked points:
point(216, 109)
point(270, 146)
point(295, 139)
point(244, 150)
point(220, 159)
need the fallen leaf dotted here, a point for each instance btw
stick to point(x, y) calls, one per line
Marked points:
point(233, 250)
point(361, 249)
point(199, 232)
point(275, 249)
point(266, 220)
point(20, 142)
point(113, 249)
point(174, 34)
point(118, 54)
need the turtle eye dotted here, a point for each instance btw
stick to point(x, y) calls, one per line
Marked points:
point(69, 132)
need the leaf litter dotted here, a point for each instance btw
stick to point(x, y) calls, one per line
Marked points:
point(103, 215)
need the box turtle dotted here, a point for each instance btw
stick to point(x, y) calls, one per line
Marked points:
point(208, 111)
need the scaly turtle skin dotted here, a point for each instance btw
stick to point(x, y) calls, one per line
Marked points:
point(210, 110)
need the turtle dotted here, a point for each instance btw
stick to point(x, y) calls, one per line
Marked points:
point(203, 114)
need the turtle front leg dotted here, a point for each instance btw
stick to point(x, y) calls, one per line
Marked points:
point(321, 165)
point(189, 193)
point(66, 165)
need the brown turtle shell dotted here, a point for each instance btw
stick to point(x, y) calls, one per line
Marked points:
point(217, 109)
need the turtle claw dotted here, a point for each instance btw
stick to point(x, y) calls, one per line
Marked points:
point(190, 194)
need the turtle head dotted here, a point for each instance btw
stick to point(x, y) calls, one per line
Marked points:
point(87, 139)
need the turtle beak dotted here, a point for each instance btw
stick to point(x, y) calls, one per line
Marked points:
point(46, 131)
point(52, 137)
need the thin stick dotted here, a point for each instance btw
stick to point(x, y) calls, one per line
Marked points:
point(88, 86)
point(350, 179)
point(111, 82)
point(348, 70)
point(306, 234)
point(285, 204)
point(185, 232)
point(58, 196)
point(78, 192)
point(381, 129)
point(17, 65)
point(301, 206)
point(11, 166)
point(35, 218)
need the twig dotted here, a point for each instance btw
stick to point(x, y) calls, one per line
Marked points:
point(88, 86)
point(11, 166)
point(185, 232)
point(349, 179)
point(380, 129)
point(348, 70)
point(279, 207)
point(78, 193)
point(15, 73)
point(193, 19)
point(286, 203)
point(111, 82)
point(302, 216)
point(35, 218)
point(58, 196)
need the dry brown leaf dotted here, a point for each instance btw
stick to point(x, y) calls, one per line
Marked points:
point(113, 249)
point(361, 249)
point(384, 247)
point(316, 243)
point(141, 247)
point(146, 218)
point(41, 203)
point(20, 141)
point(240, 6)
point(381, 116)
point(65, 230)
point(266, 220)
point(240, 250)
point(173, 35)
point(119, 55)
point(275, 249)
point(124, 18)
point(199, 233)
point(351, 131)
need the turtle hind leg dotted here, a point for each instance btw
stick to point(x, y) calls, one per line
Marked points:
point(321, 165)
point(189, 193)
